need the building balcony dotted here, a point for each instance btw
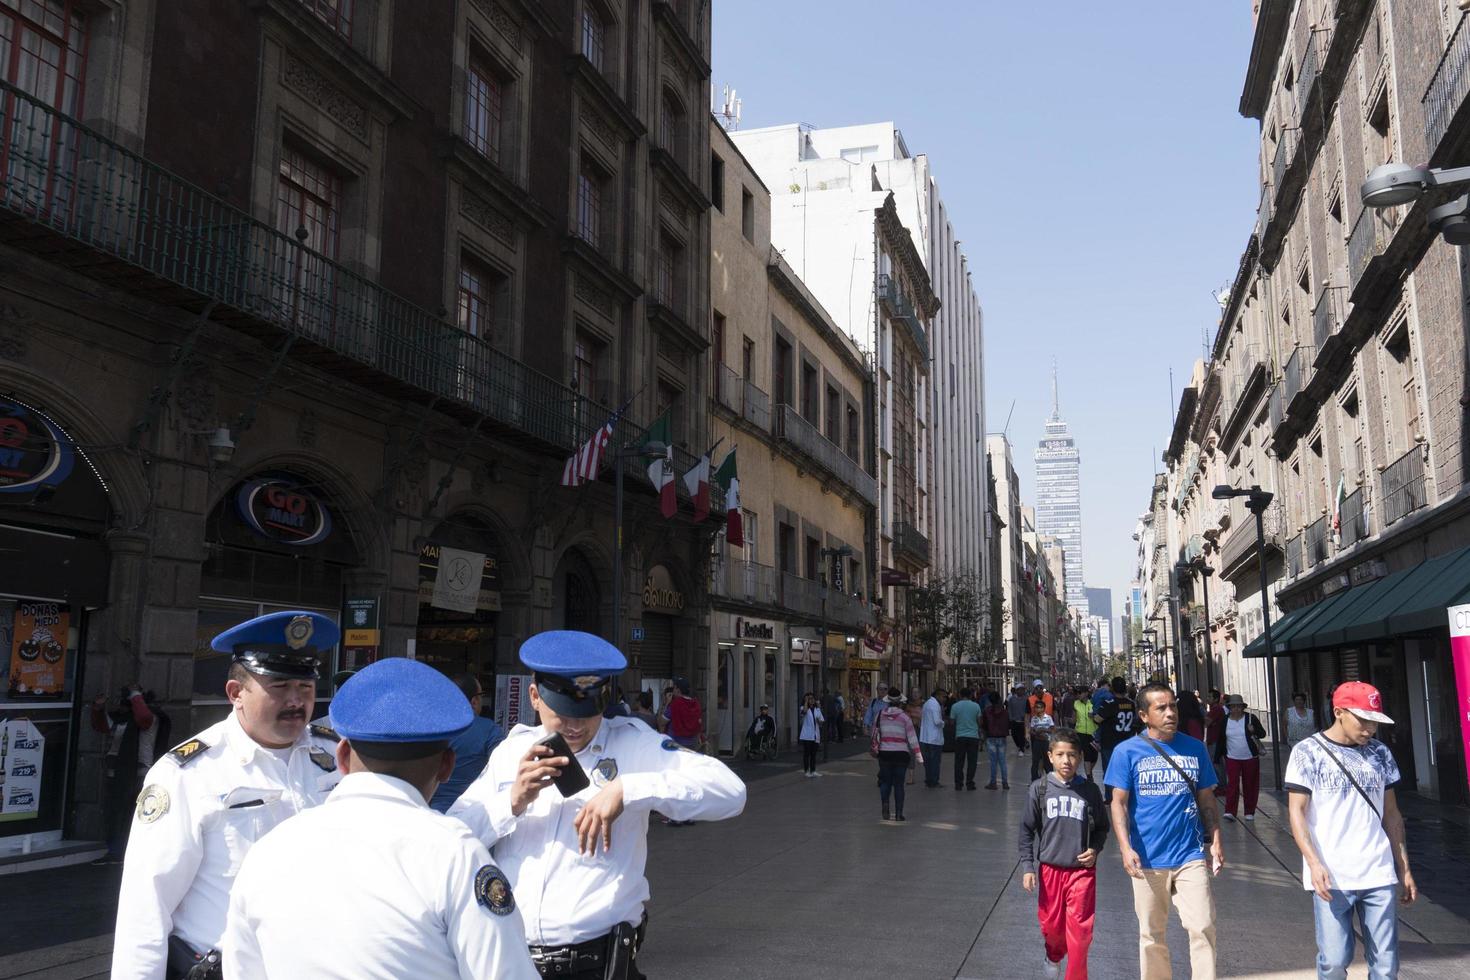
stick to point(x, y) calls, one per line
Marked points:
point(1193, 548)
point(901, 309)
point(1367, 241)
point(1354, 519)
point(909, 543)
point(742, 398)
point(811, 600)
point(1448, 87)
point(1238, 549)
point(745, 581)
point(1294, 557)
point(1327, 320)
point(1403, 490)
point(1297, 373)
point(1307, 77)
point(791, 428)
point(1276, 408)
point(1314, 542)
point(83, 201)
point(1285, 150)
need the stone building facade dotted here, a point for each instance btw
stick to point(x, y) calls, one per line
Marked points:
point(314, 319)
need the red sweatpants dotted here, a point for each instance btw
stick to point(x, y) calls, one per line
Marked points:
point(1238, 771)
point(1068, 898)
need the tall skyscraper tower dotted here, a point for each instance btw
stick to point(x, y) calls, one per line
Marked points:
point(1059, 495)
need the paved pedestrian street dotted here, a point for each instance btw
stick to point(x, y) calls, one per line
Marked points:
point(809, 882)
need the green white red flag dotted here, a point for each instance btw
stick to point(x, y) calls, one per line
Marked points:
point(727, 478)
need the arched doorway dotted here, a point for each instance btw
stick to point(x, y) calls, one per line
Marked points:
point(54, 571)
point(460, 598)
point(576, 597)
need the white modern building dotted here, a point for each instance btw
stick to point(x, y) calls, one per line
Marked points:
point(825, 183)
point(1059, 497)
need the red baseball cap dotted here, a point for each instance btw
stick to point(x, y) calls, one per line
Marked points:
point(1362, 700)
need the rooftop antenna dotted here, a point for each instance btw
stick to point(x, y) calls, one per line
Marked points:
point(729, 112)
point(1005, 433)
point(1056, 404)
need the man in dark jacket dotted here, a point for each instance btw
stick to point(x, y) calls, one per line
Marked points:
point(1240, 748)
point(137, 731)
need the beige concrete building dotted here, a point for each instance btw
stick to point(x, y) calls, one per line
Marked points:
point(793, 395)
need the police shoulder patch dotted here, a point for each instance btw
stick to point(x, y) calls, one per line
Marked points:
point(185, 753)
point(323, 759)
point(605, 771)
point(152, 803)
point(672, 746)
point(492, 890)
point(325, 731)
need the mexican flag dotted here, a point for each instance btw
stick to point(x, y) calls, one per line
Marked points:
point(1337, 503)
point(697, 481)
point(661, 470)
point(729, 481)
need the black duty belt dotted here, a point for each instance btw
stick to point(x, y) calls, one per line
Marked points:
point(610, 954)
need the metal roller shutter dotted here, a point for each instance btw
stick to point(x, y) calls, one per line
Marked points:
point(657, 656)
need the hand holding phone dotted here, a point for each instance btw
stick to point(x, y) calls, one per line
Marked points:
point(573, 778)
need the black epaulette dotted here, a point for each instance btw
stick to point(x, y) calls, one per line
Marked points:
point(325, 731)
point(185, 753)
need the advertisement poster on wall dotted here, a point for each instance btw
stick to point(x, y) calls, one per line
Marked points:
point(1460, 655)
point(38, 639)
point(513, 701)
point(21, 749)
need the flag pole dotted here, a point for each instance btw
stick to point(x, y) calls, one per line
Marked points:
point(617, 555)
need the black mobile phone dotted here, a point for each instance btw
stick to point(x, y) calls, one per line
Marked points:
point(573, 778)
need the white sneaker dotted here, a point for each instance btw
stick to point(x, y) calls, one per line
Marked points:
point(1230, 817)
point(1050, 970)
point(1251, 817)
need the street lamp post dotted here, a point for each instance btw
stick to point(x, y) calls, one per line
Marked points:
point(1205, 572)
point(1257, 500)
point(1393, 184)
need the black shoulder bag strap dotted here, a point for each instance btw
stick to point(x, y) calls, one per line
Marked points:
point(1193, 789)
point(1327, 747)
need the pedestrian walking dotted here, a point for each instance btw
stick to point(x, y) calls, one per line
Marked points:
point(809, 734)
point(966, 716)
point(1240, 749)
point(1064, 826)
point(1301, 721)
point(894, 743)
point(931, 736)
point(1084, 725)
point(1191, 715)
point(871, 715)
point(1346, 822)
point(1039, 729)
point(136, 730)
point(1017, 710)
point(997, 721)
point(839, 711)
point(1165, 819)
point(644, 710)
point(413, 892)
point(1214, 731)
point(686, 717)
point(1117, 720)
point(207, 801)
point(472, 747)
point(1041, 694)
point(586, 852)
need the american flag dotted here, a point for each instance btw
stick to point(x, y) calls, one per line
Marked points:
point(584, 465)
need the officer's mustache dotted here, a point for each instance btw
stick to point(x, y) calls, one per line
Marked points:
point(291, 714)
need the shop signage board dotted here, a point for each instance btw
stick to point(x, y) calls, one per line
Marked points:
point(895, 578)
point(361, 635)
point(1460, 654)
point(803, 651)
point(752, 629)
point(278, 510)
point(38, 648)
point(659, 592)
point(876, 639)
point(34, 453)
point(22, 748)
point(457, 584)
point(513, 701)
point(864, 663)
point(487, 598)
point(916, 660)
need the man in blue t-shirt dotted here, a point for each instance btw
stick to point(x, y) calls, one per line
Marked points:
point(1165, 817)
point(472, 747)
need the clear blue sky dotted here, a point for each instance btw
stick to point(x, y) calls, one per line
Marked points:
point(1095, 167)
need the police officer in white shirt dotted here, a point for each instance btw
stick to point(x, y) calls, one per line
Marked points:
point(412, 892)
point(577, 863)
point(208, 800)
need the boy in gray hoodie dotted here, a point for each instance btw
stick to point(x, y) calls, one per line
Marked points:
point(1063, 828)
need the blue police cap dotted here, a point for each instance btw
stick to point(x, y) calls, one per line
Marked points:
point(572, 670)
point(399, 708)
point(280, 644)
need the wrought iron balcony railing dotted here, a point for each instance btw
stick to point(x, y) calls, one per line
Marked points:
point(792, 428)
point(1328, 315)
point(1276, 408)
point(1240, 541)
point(1307, 77)
point(1354, 520)
point(1448, 87)
point(729, 389)
point(901, 308)
point(745, 581)
point(1297, 373)
point(1285, 149)
point(909, 542)
point(61, 176)
point(1294, 557)
point(1369, 237)
point(1403, 486)
point(1314, 542)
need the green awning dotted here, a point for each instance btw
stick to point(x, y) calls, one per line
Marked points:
point(1281, 630)
point(1321, 611)
point(1448, 587)
point(1408, 601)
point(1366, 618)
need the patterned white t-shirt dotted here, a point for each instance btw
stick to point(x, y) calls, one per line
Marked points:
point(1347, 833)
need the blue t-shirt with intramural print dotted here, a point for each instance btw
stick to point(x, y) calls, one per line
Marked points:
point(1163, 817)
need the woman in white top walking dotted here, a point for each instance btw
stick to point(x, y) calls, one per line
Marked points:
point(1301, 721)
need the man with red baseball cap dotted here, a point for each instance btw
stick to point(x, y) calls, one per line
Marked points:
point(1348, 827)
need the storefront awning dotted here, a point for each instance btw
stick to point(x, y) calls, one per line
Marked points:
point(1363, 618)
point(1281, 630)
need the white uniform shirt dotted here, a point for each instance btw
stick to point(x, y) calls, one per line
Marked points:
point(195, 819)
point(401, 895)
point(567, 898)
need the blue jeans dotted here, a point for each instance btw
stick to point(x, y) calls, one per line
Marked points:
point(1377, 912)
point(892, 771)
point(933, 755)
point(995, 748)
